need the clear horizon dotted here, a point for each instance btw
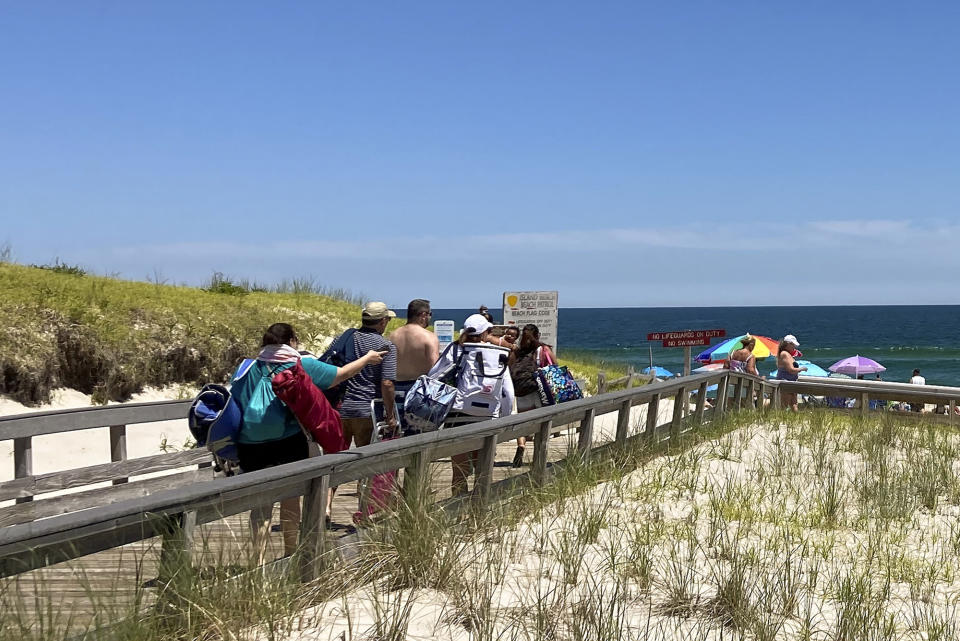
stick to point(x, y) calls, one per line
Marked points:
point(625, 154)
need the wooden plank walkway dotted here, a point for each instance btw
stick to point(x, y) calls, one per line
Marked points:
point(67, 595)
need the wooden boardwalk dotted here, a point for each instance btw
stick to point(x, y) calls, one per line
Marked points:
point(116, 583)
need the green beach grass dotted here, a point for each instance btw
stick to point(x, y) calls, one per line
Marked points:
point(783, 526)
point(62, 327)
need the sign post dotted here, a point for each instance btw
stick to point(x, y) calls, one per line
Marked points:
point(444, 331)
point(686, 339)
point(539, 308)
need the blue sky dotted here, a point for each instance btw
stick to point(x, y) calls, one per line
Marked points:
point(626, 154)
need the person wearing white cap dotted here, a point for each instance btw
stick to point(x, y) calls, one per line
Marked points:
point(787, 368)
point(484, 387)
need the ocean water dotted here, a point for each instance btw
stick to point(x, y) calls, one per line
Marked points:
point(899, 337)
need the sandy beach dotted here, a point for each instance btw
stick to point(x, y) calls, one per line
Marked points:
point(670, 542)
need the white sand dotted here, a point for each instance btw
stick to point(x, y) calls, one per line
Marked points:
point(524, 568)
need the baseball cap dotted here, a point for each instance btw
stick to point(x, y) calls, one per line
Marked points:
point(790, 338)
point(476, 324)
point(375, 310)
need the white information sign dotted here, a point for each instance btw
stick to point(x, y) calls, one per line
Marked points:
point(539, 308)
point(444, 331)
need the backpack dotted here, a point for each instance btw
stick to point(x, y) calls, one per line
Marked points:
point(342, 351)
point(317, 418)
point(214, 419)
point(524, 373)
point(479, 371)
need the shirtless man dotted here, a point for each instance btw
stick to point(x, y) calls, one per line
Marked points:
point(417, 350)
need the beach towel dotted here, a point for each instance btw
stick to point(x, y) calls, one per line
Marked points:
point(319, 421)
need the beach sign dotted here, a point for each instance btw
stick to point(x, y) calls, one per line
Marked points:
point(685, 339)
point(539, 308)
point(444, 331)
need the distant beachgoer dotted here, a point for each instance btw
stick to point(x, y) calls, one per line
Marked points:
point(485, 312)
point(274, 436)
point(494, 402)
point(524, 363)
point(916, 379)
point(787, 368)
point(743, 359)
point(417, 350)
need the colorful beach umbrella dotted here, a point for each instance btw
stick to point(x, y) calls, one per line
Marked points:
point(812, 370)
point(764, 347)
point(656, 370)
point(857, 365)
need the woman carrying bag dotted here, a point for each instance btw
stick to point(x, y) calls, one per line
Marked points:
point(524, 363)
point(481, 375)
point(270, 434)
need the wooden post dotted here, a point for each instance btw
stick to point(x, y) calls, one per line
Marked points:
point(484, 475)
point(701, 403)
point(538, 469)
point(678, 402)
point(176, 549)
point(864, 403)
point(415, 477)
point(629, 376)
point(953, 410)
point(751, 394)
point(775, 397)
point(585, 439)
point(313, 537)
point(737, 393)
point(23, 461)
point(623, 421)
point(686, 361)
point(653, 409)
point(722, 396)
point(601, 383)
point(118, 447)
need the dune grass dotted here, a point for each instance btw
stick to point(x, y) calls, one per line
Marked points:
point(62, 327)
point(815, 526)
point(110, 337)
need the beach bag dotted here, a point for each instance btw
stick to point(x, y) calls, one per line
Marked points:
point(342, 351)
point(480, 380)
point(556, 385)
point(319, 421)
point(427, 404)
point(214, 420)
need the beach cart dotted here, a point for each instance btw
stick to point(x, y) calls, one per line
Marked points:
point(377, 493)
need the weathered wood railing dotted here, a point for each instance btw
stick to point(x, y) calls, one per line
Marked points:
point(28, 544)
point(605, 385)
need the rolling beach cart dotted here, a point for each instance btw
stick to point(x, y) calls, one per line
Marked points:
point(378, 492)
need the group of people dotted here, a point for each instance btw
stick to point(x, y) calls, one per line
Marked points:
point(377, 367)
point(788, 369)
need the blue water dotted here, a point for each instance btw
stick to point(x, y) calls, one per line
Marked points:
point(899, 337)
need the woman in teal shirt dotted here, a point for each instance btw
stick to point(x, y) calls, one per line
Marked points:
point(270, 434)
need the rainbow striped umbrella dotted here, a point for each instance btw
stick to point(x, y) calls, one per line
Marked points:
point(764, 347)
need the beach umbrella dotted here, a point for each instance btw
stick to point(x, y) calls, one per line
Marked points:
point(764, 347)
point(709, 367)
point(656, 370)
point(812, 370)
point(857, 365)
